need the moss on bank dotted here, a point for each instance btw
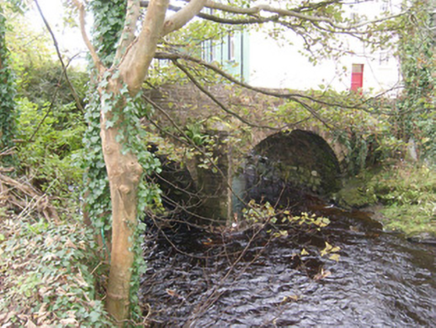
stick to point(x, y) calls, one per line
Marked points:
point(406, 194)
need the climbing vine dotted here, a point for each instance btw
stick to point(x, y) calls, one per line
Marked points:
point(122, 112)
point(133, 138)
point(108, 22)
point(415, 115)
point(7, 92)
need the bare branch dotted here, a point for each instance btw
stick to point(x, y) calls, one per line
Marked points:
point(221, 20)
point(256, 17)
point(64, 67)
point(256, 10)
point(183, 16)
point(216, 101)
point(97, 62)
point(259, 8)
point(268, 92)
point(128, 34)
point(134, 65)
point(240, 21)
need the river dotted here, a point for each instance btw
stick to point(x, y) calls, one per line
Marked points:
point(247, 278)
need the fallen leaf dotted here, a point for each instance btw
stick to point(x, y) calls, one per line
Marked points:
point(171, 292)
point(290, 298)
point(323, 274)
point(30, 324)
point(335, 257)
point(48, 241)
point(7, 316)
point(69, 244)
point(68, 321)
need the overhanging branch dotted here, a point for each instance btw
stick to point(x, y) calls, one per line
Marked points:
point(183, 16)
point(268, 92)
point(216, 101)
point(64, 67)
point(255, 14)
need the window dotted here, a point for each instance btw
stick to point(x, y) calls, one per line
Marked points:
point(207, 51)
point(384, 58)
point(231, 45)
point(357, 77)
point(385, 5)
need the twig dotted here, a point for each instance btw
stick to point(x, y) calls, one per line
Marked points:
point(216, 101)
point(41, 203)
point(64, 67)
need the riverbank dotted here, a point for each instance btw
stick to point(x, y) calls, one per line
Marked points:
point(401, 196)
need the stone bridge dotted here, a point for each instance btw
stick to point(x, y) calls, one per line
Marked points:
point(278, 166)
point(280, 169)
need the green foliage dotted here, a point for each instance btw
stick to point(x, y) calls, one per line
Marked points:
point(309, 220)
point(108, 23)
point(95, 178)
point(259, 213)
point(28, 65)
point(7, 92)
point(47, 277)
point(415, 113)
point(406, 193)
point(194, 133)
point(45, 82)
point(50, 147)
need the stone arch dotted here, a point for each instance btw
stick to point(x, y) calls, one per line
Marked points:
point(286, 164)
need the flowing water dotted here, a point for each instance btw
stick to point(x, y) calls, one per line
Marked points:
point(246, 278)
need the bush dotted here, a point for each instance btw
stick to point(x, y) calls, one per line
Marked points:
point(50, 147)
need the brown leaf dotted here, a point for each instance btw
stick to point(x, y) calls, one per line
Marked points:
point(69, 244)
point(323, 274)
point(6, 316)
point(30, 324)
point(48, 241)
point(68, 321)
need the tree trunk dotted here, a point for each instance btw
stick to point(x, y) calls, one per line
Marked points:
point(124, 172)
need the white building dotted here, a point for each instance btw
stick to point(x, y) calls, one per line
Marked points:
point(284, 67)
point(274, 66)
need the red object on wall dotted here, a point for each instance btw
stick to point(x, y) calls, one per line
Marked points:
point(357, 77)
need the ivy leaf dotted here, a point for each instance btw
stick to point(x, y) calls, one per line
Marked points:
point(109, 124)
point(103, 84)
point(94, 316)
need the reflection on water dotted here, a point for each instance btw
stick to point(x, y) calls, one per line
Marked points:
point(245, 279)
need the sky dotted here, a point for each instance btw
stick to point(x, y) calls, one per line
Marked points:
point(69, 39)
point(271, 66)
